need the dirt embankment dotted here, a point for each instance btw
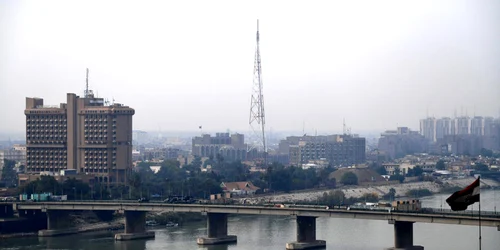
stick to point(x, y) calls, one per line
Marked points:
point(357, 192)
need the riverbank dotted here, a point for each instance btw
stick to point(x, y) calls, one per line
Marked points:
point(81, 228)
point(357, 191)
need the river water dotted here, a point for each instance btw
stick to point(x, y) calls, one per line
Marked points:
point(272, 232)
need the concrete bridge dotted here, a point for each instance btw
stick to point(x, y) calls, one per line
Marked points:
point(135, 218)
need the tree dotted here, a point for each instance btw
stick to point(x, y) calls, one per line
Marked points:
point(333, 198)
point(486, 152)
point(416, 171)
point(76, 189)
point(440, 165)
point(9, 175)
point(370, 197)
point(349, 178)
point(381, 170)
point(481, 167)
point(391, 195)
point(397, 177)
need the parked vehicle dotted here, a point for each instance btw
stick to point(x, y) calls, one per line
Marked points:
point(180, 200)
point(151, 223)
point(172, 224)
point(143, 199)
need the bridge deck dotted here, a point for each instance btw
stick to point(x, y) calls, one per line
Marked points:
point(488, 219)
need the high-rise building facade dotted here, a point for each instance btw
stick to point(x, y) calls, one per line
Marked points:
point(463, 125)
point(83, 134)
point(398, 143)
point(231, 147)
point(338, 150)
point(477, 125)
point(443, 127)
point(428, 128)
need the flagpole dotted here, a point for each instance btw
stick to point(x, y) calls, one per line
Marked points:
point(479, 177)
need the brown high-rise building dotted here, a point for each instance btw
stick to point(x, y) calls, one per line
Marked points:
point(83, 134)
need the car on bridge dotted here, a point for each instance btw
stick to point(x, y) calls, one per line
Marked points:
point(179, 199)
point(143, 199)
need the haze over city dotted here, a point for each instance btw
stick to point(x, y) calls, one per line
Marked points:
point(182, 65)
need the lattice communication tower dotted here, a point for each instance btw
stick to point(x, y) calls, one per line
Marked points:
point(257, 117)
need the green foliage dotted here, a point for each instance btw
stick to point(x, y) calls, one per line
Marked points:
point(416, 171)
point(349, 178)
point(370, 197)
point(391, 195)
point(397, 177)
point(286, 179)
point(333, 198)
point(9, 175)
point(440, 165)
point(486, 152)
point(481, 167)
point(171, 179)
point(381, 170)
point(416, 193)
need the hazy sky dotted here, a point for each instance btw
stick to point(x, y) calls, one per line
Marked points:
point(181, 64)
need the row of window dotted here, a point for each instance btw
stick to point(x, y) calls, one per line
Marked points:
point(46, 135)
point(45, 117)
point(47, 125)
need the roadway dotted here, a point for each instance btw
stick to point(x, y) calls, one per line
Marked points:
point(489, 219)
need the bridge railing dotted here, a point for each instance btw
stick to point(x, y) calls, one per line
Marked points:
point(425, 210)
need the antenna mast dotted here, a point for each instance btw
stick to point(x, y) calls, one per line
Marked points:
point(87, 84)
point(257, 118)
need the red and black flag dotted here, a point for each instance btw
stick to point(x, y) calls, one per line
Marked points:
point(460, 200)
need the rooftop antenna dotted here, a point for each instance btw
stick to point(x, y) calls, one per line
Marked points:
point(343, 127)
point(86, 94)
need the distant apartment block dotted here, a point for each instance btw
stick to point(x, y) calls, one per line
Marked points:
point(428, 128)
point(338, 150)
point(83, 134)
point(17, 153)
point(443, 127)
point(139, 137)
point(160, 153)
point(435, 129)
point(400, 142)
point(231, 147)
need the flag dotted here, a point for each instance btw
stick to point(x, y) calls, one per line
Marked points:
point(460, 200)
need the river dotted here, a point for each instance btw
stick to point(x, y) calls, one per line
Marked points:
point(272, 232)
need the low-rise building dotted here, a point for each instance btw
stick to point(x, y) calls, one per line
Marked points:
point(239, 188)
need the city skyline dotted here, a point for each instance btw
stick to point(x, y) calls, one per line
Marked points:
point(179, 74)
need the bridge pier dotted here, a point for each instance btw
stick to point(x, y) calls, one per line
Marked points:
point(6, 210)
point(135, 227)
point(58, 223)
point(217, 230)
point(403, 236)
point(306, 234)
